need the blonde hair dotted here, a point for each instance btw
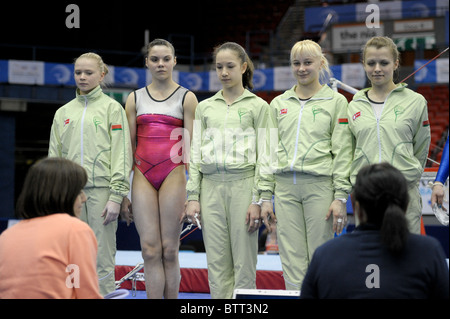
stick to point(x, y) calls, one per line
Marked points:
point(101, 65)
point(247, 77)
point(313, 49)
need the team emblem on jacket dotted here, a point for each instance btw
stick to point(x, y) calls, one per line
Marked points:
point(283, 111)
point(66, 121)
point(356, 115)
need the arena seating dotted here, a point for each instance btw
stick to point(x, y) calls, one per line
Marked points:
point(438, 113)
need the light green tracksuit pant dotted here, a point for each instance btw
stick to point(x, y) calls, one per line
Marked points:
point(301, 209)
point(231, 252)
point(106, 236)
point(413, 212)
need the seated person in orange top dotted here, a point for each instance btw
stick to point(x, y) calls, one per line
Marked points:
point(50, 254)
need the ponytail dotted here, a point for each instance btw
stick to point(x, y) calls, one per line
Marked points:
point(382, 193)
point(394, 229)
point(247, 77)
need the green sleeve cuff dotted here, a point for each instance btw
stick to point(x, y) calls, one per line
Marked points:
point(116, 198)
point(266, 195)
point(193, 197)
point(340, 194)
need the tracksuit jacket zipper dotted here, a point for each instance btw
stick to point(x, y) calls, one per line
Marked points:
point(296, 139)
point(302, 103)
point(378, 122)
point(223, 142)
point(82, 131)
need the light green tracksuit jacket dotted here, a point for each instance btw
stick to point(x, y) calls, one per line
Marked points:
point(223, 175)
point(401, 137)
point(313, 139)
point(226, 139)
point(92, 130)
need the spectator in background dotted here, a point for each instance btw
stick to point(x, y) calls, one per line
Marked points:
point(51, 253)
point(381, 258)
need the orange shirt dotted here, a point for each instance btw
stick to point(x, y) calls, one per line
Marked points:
point(49, 257)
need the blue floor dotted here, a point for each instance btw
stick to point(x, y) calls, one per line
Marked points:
point(189, 260)
point(141, 294)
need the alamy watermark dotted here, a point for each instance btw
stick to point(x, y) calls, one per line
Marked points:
point(373, 279)
point(73, 279)
point(73, 19)
point(373, 19)
point(226, 146)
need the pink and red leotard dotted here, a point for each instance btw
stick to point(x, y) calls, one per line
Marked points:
point(159, 132)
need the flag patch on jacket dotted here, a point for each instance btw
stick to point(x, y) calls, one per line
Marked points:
point(343, 121)
point(426, 123)
point(116, 127)
point(283, 111)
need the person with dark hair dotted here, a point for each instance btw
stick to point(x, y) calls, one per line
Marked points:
point(223, 173)
point(381, 258)
point(50, 253)
point(160, 116)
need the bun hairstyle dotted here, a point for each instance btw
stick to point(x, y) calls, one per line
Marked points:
point(247, 77)
point(382, 193)
point(159, 42)
point(101, 65)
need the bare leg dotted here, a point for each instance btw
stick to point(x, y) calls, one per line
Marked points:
point(146, 218)
point(157, 218)
point(172, 196)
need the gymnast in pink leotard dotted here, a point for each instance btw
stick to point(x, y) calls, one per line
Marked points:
point(156, 153)
point(160, 116)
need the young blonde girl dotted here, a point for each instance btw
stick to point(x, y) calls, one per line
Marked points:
point(314, 152)
point(92, 131)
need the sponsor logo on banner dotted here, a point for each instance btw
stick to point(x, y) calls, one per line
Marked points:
point(26, 72)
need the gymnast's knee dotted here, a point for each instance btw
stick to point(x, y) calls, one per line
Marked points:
point(151, 253)
point(170, 253)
